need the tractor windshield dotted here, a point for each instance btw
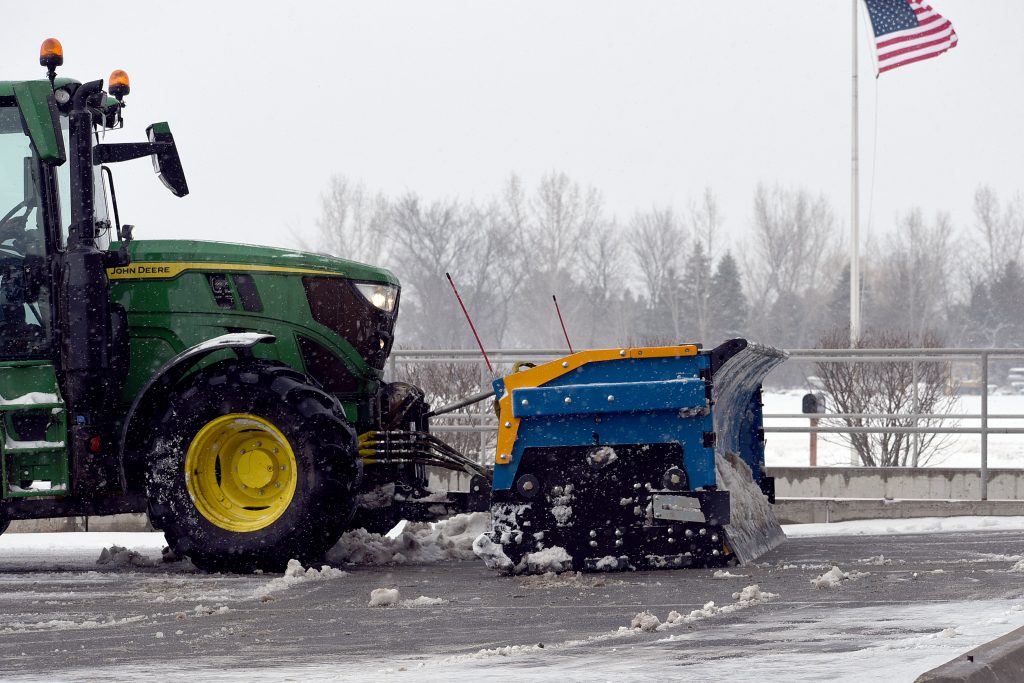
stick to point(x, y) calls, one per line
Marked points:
point(24, 296)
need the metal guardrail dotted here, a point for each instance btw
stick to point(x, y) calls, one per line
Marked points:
point(485, 424)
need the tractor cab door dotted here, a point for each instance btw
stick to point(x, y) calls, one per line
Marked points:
point(25, 326)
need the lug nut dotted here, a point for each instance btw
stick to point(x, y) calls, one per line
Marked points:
point(715, 553)
point(688, 533)
point(671, 541)
point(593, 544)
point(618, 532)
point(703, 532)
point(618, 543)
point(671, 530)
point(593, 534)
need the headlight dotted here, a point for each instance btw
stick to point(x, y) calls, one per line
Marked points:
point(381, 296)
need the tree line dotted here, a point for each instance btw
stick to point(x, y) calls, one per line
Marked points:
point(666, 275)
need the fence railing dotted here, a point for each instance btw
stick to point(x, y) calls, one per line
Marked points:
point(484, 423)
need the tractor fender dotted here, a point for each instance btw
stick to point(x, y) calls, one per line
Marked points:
point(159, 386)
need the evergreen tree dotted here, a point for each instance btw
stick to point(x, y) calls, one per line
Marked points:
point(727, 303)
point(696, 292)
point(1007, 301)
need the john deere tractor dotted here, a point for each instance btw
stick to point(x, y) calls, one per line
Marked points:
point(220, 388)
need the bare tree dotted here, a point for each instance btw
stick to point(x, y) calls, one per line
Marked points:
point(706, 220)
point(353, 224)
point(1001, 229)
point(910, 276)
point(888, 389)
point(791, 264)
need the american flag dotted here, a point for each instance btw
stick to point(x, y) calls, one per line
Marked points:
point(907, 31)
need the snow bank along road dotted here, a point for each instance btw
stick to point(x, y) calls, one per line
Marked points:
point(849, 605)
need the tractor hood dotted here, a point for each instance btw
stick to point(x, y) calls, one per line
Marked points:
point(168, 258)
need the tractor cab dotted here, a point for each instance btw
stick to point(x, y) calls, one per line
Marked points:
point(61, 338)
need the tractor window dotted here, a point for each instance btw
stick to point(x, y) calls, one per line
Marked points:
point(64, 190)
point(24, 295)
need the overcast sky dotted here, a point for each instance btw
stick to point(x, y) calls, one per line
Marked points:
point(648, 101)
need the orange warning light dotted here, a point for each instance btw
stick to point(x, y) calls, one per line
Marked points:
point(118, 83)
point(51, 53)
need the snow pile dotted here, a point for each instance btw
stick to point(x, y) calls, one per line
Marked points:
point(491, 553)
point(119, 557)
point(1018, 566)
point(726, 574)
point(295, 574)
point(554, 559)
point(645, 621)
point(384, 597)
point(748, 597)
point(878, 560)
point(833, 577)
point(412, 542)
point(422, 601)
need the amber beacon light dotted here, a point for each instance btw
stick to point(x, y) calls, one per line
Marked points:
point(51, 55)
point(119, 86)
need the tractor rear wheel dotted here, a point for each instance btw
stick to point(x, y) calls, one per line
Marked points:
point(252, 466)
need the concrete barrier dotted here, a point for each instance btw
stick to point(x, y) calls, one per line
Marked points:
point(998, 661)
point(818, 510)
point(919, 483)
point(129, 522)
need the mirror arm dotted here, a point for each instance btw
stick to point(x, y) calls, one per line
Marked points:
point(110, 153)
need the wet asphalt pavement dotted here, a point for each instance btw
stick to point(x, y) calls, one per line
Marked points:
point(75, 619)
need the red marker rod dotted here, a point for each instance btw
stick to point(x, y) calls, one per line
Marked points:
point(470, 321)
point(562, 322)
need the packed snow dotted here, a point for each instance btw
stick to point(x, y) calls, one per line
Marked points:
point(917, 525)
point(384, 597)
point(835, 576)
point(412, 542)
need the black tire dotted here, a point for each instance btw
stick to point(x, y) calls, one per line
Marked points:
point(327, 468)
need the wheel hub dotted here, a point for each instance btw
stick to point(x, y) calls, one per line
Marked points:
point(241, 472)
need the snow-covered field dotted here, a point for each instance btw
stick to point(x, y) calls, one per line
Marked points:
point(1004, 450)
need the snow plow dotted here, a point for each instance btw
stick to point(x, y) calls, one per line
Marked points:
point(644, 458)
point(236, 394)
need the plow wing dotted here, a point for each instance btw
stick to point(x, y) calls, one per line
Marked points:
point(632, 458)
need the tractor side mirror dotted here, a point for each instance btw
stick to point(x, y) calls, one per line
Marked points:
point(165, 161)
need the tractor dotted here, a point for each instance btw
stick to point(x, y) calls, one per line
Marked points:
point(236, 394)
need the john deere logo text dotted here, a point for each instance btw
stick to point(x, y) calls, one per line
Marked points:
point(141, 270)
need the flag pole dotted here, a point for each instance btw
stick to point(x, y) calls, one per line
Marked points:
point(855, 199)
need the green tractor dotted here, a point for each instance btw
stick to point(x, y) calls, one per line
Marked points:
point(218, 387)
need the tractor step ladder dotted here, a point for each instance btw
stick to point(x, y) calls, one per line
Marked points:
point(33, 432)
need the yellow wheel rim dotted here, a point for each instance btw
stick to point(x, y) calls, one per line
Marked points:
point(241, 472)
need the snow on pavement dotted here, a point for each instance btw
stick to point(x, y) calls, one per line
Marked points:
point(919, 525)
